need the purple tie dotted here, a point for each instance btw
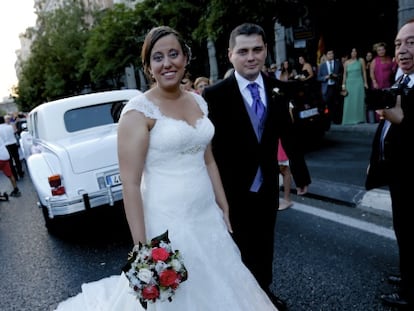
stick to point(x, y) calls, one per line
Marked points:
point(258, 106)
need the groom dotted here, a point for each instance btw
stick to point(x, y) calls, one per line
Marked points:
point(242, 136)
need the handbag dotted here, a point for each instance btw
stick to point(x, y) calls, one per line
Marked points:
point(343, 93)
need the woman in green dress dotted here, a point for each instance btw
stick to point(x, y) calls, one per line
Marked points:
point(354, 85)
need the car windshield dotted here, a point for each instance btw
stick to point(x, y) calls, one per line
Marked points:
point(91, 116)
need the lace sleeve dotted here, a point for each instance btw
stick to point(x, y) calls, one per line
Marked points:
point(202, 103)
point(142, 104)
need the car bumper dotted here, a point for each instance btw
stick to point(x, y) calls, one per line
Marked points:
point(56, 206)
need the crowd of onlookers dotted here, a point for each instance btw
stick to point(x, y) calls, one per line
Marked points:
point(11, 158)
point(354, 77)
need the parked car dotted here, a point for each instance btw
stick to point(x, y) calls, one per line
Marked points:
point(70, 150)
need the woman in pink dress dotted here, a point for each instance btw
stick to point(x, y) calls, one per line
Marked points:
point(382, 70)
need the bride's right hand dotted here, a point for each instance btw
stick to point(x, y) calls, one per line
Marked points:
point(227, 221)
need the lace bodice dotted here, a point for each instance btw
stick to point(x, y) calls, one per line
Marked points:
point(174, 143)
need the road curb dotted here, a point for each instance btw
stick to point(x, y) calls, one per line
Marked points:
point(376, 201)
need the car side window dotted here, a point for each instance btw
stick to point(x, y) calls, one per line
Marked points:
point(87, 117)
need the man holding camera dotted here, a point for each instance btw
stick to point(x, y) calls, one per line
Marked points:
point(392, 165)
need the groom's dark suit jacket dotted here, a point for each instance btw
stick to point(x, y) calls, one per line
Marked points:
point(238, 154)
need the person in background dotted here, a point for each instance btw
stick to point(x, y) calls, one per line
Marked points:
point(200, 83)
point(171, 182)
point(344, 58)
point(265, 70)
point(8, 120)
point(250, 112)
point(187, 83)
point(382, 73)
point(5, 168)
point(286, 72)
point(322, 59)
point(307, 78)
point(369, 56)
point(273, 70)
point(354, 83)
point(284, 170)
point(391, 165)
point(7, 132)
point(305, 72)
point(330, 75)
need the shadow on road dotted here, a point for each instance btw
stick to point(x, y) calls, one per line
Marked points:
point(96, 227)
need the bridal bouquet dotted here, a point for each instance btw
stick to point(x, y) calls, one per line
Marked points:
point(155, 270)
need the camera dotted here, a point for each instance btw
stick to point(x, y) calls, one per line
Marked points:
point(333, 76)
point(377, 99)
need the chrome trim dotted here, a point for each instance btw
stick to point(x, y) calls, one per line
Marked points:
point(58, 207)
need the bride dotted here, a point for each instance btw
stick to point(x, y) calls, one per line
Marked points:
point(171, 182)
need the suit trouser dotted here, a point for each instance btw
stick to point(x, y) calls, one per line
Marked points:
point(403, 216)
point(332, 100)
point(15, 163)
point(253, 221)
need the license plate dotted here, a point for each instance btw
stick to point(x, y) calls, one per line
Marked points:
point(113, 180)
point(308, 113)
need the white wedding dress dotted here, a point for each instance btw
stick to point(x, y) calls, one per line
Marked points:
point(178, 197)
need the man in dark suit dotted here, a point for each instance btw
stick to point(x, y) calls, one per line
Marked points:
point(330, 75)
point(392, 164)
point(245, 149)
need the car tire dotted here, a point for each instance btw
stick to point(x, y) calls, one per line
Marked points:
point(51, 224)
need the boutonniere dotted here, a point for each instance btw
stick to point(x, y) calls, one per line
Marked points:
point(277, 92)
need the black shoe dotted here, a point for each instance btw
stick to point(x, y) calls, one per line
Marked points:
point(279, 303)
point(394, 300)
point(15, 193)
point(394, 279)
point(21, 175)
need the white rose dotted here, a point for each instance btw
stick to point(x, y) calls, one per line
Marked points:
point(176, 264)
point(160, 266)
point(145, 275)
point(165, 294)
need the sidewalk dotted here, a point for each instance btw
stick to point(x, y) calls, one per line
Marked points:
point(377, 201)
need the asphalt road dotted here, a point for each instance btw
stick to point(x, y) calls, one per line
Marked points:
point(338, 169)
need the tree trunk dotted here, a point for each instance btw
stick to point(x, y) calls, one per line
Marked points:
point(212, 59)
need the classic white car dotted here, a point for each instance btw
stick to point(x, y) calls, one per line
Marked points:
point(70, 147)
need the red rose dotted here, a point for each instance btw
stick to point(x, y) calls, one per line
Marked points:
point(150, 292)
point(169, 278)
point(160, 253)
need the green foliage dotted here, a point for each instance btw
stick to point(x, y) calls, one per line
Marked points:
point(75, 48)
point(113, 45)
point(52, 71)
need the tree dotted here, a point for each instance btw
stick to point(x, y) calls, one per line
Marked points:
point(113, 45)
point(53, 68)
